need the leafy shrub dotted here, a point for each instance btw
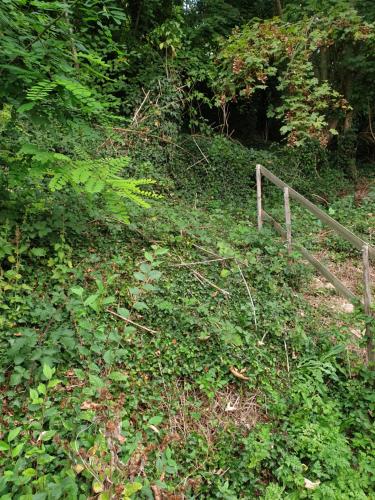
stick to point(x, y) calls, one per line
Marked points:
point(217, 165)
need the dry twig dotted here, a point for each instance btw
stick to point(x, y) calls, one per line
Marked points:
point(187, 264)
point(134, 120)
point(130, 321)
point(249, 294)
point(201, 277)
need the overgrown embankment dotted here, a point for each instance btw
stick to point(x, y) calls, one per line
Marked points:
point(175, 356)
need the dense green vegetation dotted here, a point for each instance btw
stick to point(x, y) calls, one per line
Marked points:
point(153, 343)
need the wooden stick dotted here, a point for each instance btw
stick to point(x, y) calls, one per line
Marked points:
point(130, 321)
point(200, 277)
point(323, 216)
point(249, 294)
point(367, 302)
point(134, 119)
point(324, 271)
point(288, 219)
point(259, 196)
point(205, 250)
point(287, 357)
point(187, 264)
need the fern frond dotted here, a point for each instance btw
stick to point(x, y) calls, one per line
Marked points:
point(94, 177)
point(41, 90)
point(117, 208)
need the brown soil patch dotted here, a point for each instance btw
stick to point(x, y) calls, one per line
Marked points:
point(197, 413)
point(349, 272)
point(323, 296)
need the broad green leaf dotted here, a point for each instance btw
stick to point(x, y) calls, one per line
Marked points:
point(38, 252)
point(140, 306)
point(34, 394)
point(47, 435)
point(123, 312)
point(91, 299)
point(48, 371)
point(30, 472)
point(109, 357)
point(131, 488)
point(96, 381)
point(97, 487)
point(53, 383)
point(118, 376)
point(224, 273)
point(77, 290)
point(26, 107)
point(149, 256)
point(42, 389)
point(233, 338)
point(14, 433)
point(4, 446)
point(155, 275)
point(155, 420)
point(17, 450)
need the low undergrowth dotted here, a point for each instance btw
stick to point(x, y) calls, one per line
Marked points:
point(173, 358)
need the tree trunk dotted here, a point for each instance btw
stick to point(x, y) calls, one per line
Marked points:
point(278, 8)
point(323, 64)
point(71, 34)
point(136, 22)
point(349, 139)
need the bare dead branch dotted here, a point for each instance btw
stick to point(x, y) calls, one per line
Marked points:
point(130, 321)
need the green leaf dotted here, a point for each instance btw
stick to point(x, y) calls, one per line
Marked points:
point(42, 389)
point(140, 306)
point(38, 252)
point(109, 357)
point(232, 338)
point(149, 256)
point(30, 472)
point(155, 275)
point(47, 435)
point(97, 487)
point(77, 290)
point(145, 268)
point(131, 488)
point(48, 371)
point(25, 107)
point(123, 312)
point(106, 495)
point(53, 383)
point(91, 300)
point(118, 376)
point(17, 450)
point(14, 433)
point(4, 446)
point(96, 381)
point(160, 251)
point(15, 379)
point(155, 420)
point(34, 395)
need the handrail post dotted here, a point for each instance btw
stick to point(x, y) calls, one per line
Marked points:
point(367, 303)
point(288, 219)
point(259, 196)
